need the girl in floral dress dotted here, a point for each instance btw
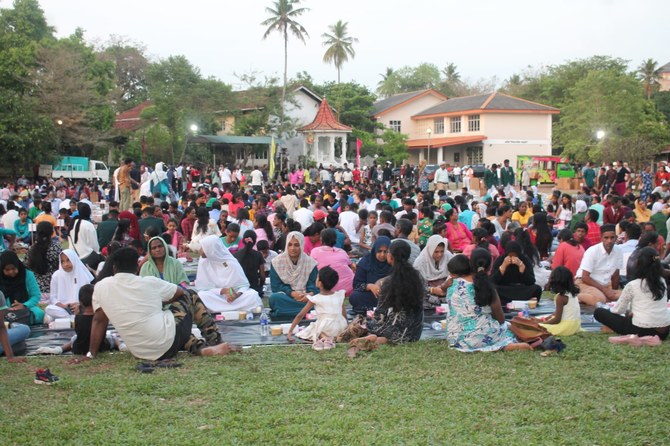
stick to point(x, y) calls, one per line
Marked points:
point(476, 321)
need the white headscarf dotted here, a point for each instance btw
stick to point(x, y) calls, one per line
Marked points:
point(296, 275)
point(218, 268)
point(158, 174)
point(425, 263)
point(580, 206)
point(65, 285)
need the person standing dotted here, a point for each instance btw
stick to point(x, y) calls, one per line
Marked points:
point(441, 179)
point(507, 176)
point(457, 174)
point(589, 175)
point(491, 178)
point(125, 184)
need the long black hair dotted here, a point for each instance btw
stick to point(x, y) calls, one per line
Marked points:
point(262, 222)
point(37, 256)
point(480, 263)
point(650, 271)
point(249, 241)
point(480, 238)
point(565, 235)
point(203, 219)
point(543, 236)
point(403, 289)
point(83, 213)
point(562, 282)
point(522, 237)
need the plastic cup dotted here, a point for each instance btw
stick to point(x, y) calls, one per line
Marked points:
point(275, 330)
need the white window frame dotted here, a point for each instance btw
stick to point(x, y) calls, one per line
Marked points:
point(455, 125)
point(438, 125)
point(474, 123)
point(475, 155)
point(395, 125)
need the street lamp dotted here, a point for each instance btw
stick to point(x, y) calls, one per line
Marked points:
point(194, 129)
point(430, 132)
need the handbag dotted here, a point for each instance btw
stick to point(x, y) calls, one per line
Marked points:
point(528, 330)
point(22, 316)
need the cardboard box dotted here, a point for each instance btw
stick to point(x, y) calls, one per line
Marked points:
point(563, 183)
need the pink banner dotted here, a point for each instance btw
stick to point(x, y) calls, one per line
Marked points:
point(359, 143)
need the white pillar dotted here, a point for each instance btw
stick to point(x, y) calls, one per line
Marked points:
point(421, 155)
point(343, 158)
point(331, 156)
point(444, 153)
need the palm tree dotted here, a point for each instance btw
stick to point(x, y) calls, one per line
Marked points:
point(649, 73)
point(388, 85)
point(451, 74)
point(282, 20)
point(340, 46)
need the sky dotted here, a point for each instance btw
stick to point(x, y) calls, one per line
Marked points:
point(485, 39)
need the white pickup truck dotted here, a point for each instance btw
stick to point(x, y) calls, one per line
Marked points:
point(76, 168)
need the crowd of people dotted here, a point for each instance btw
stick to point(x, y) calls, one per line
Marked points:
point(394, 246)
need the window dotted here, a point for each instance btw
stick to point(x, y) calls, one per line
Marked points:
point(438, 125)
point(457, 157)
point(473, 123)
point(455, 125)
point(395, 126)
point(475, 155)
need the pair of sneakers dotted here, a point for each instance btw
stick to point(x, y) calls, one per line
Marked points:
point(324, 344)
point(635, 340)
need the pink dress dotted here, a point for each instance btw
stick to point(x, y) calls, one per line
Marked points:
point(458, 238)
point(337, 259)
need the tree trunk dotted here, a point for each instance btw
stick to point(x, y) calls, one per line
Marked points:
point(338, 75)
point(283, 91)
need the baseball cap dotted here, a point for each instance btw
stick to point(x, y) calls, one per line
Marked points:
point(319, 214)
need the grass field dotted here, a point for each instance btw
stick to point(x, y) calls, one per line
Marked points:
point(594, 393)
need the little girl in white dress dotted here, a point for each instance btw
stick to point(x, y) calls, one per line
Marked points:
point(331, 314)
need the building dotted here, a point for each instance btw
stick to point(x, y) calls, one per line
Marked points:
point(664, 81)
point(480, 129)
point(321, 136)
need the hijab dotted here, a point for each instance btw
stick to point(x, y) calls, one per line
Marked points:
point(296, 275)
point(219, 268)
point(68, 283)
point(376, 269)
point(641, 215)
point(158, 174)
point(425, 263)
point(14, 288)
point(134, 225)
point(173, 271)
point(580, 206)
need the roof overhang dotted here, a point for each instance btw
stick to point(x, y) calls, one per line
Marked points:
point(479, 111)
point(443, 142)
point(429, 92)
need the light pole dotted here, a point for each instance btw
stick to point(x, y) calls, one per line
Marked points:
point(430, 132)
point(194, 129)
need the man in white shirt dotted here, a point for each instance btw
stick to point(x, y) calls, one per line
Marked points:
point(441, 179)
point(257, 180)
point(134, 305)
point(349, 222)
point(457, 175)
point(226, 178)
point(10, 216)
point(598, 274)
point(304, 215)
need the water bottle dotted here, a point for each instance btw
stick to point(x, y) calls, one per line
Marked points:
point(250, 316)
point(526, 311)
point(436, 326)
point(265, 324)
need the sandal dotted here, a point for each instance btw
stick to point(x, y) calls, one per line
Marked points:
point(144, 367)
point(328, 344)
point(318, 345)
point(364, 344)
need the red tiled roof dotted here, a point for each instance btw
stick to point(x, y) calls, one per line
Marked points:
point(325, 120)
point(130, 119)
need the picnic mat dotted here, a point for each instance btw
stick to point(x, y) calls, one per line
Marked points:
point(248, 333)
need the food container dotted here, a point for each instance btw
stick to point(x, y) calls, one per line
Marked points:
point(444, 324)
point(532, 304)
point(62, 323)
point(285, 328)
point(440, 310)
point(275, 330)
point(242, 315)
point(231, 315)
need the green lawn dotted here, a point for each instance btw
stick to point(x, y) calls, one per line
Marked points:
point(593, 394)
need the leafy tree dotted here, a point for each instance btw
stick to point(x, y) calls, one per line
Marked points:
point(388, 86)
point(340, 46)
point(452, 82)
point(662, 101)
point(650, 75)
point(352, 103)
point(421, 77)
point(395, 146)
point(130, 77)
point(613, 102)
point(282, 19)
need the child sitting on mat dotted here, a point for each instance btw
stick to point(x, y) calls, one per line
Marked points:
point(566, 319)
point(331, 314)
point(83, 321)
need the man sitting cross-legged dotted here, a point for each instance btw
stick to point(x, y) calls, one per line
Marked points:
point(135, 306)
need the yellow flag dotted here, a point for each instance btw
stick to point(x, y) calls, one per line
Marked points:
point(271, 172)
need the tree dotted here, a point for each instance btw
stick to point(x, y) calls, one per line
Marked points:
point(340, 46)
point(613, 102)
point(130, 66)
point(662, 101)
point(388, 86)
point(395, 146)
point(452, 80)
point(649, 73)
point(282, 20)
point(352, 102)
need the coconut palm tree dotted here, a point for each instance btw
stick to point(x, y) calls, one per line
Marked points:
point(340, 46)
point(649, 73)
point(283, 14)
point(388, 86)
point(451, 74)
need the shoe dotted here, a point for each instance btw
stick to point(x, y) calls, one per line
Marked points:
point(651, 341)
point(633, 340)
point(44, 376)
point(328, 344)
point(318, 345)
point(49, 351)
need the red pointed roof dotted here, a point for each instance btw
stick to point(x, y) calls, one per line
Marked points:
point(325, 121)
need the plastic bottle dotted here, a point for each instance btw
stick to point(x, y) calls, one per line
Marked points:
point(265, 324)
point(436, 326)
point(250, 316)
point(526, 311)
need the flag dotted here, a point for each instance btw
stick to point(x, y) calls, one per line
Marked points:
point(359, 143)
point(271, 172)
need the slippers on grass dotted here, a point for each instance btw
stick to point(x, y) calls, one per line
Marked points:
point(144, 367)
point(149, 367)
